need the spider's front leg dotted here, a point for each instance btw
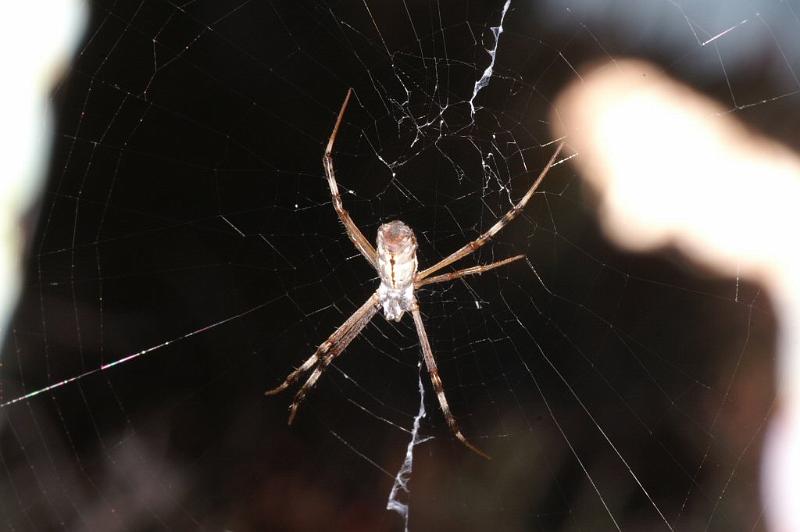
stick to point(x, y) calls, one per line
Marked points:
point(470, 247)
point(356, 236)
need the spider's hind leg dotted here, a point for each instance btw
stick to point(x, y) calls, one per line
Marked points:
point(357, 322)
point(438, 387)
point(326, 352)
point(307, 365)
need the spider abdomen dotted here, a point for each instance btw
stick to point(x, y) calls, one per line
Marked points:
point(397, 267)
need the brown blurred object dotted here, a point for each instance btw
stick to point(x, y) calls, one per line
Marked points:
point(672, 168)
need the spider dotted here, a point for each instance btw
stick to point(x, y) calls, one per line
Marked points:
point(395, 260)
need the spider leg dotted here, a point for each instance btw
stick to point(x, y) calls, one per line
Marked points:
point(356, 236)
point(510, 215)
point(324, 347)
point(356, 323)
point(433, 371)
point(308, 364)
point(474, 270)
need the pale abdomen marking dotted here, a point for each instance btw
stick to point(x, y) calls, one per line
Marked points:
point(397, 268)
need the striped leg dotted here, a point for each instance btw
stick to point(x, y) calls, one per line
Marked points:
point(356, 236)
point(332, 341)
point(474, 270)
point(510, 215)
point(355, 324)
point(433, 371)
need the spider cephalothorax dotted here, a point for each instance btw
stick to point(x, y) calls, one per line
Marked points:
point(395, 260)
point(397, 268)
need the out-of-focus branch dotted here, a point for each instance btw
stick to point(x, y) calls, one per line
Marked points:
point(671, 167)
point(37, 38)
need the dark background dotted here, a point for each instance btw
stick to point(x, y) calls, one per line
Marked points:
point(186, 218)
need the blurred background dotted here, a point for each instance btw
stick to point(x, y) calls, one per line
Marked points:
point(185, 256)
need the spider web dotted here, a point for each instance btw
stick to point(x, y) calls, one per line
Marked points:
point(188, 256)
